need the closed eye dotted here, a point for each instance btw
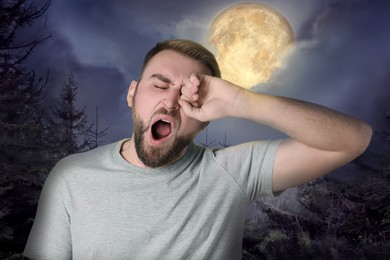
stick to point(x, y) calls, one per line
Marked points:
point(160, 81)
point(160, 87)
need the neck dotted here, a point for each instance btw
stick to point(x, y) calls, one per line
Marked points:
point(129, 153)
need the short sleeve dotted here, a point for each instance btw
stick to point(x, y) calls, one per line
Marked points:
point(50, 236)
point(251, 166)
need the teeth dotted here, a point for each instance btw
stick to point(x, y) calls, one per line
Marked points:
point(166, 121)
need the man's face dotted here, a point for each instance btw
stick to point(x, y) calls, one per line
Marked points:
point(162, 131)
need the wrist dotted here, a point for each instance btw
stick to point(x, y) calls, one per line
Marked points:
point(240, 106)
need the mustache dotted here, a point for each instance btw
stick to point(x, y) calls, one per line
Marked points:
point(172, 113)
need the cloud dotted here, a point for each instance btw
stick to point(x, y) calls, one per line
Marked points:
point(345, 64)
point(191, 28)
point(341, 59)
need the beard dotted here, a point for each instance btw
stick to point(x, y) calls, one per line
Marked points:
point(163, 154)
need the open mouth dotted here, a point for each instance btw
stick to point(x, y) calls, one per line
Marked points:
point(161, 129)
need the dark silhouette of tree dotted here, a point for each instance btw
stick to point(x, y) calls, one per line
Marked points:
point(70, 122)
point(385, 135)
point(22, 132)
point(346, 221)
point(208, 143)
point(224, 143)
point(95, 135)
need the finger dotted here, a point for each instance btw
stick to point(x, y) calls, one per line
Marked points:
point(192, 83)
point(195, 79)
point(193, 112)
point(189, 95)
point(186, 106)
point(193, 103)
point(189, 110)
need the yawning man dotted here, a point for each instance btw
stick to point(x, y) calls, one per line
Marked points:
point(158, 195)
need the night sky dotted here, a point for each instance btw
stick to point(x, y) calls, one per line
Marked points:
point(341, 58)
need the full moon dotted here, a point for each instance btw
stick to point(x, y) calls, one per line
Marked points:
point(250, 40)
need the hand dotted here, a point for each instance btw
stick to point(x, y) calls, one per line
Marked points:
point(208, 98)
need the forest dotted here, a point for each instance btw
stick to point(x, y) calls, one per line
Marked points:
point(324, 219)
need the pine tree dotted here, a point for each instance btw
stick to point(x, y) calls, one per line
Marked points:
point(20, 90)
point(21, 129)
point(70, 122)
point(95, 134)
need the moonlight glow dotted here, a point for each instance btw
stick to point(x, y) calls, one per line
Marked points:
point(250, 40)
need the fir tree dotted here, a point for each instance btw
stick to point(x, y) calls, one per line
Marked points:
point(21, 130)
point(95, 134)
point(70, 122)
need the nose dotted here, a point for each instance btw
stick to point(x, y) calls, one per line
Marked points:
point(171, 99)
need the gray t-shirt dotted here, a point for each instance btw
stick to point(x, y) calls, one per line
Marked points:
point(96, 205)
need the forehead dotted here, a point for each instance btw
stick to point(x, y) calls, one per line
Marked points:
point(174, 65)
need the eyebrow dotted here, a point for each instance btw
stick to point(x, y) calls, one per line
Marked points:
point(162, 78)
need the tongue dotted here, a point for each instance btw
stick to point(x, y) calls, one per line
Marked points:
point(162, 129)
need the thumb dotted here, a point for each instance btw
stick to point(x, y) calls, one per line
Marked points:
point(190, 110)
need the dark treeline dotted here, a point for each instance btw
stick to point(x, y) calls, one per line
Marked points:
point(332, 220)
point(32, 140)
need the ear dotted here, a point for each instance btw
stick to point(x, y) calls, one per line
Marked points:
point(131, 92)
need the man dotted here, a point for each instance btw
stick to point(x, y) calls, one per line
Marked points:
point(159, 196)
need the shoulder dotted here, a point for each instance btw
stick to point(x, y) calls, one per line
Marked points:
point(232, 153)
point(88, 157)
point(88, 161)
point(257, 148)
point(242, 154)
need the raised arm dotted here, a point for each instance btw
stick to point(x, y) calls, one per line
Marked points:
point(321, 139)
